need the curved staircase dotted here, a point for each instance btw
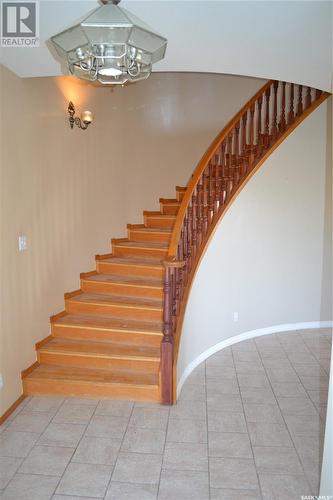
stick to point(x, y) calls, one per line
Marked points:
point(119, 334)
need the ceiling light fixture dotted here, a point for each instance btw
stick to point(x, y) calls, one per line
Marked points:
point(111, 46)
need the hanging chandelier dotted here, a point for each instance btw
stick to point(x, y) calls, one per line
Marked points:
point(111, 46)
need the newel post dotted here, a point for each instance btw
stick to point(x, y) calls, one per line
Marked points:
point(167, 344)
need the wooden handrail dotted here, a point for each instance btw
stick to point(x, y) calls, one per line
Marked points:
point(230, 161)
point(202, 165)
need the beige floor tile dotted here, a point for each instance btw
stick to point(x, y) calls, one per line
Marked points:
point(225, 402)
point(226, 422)
point(189, 409)
point(304, 424)
point(16, 444)
point(62, 435)
point(128, 491)
point(315, 383)
point(28, 487)
point(140, 440)
point(283, 487)
point(225, 494)
point(234, 473)
point(192, 392)
point(43, 404)
point(247, 367)
point(81, 401)
point(115, 408)
point(276, 460)
point(223, 357)
point(85, 480)
point(149, 418)
point(257, 395)
point(253, 380)
point(198, 376)
point(268, 413)
point(100, 451)
point(220, 371)
point(141, 468)
point(222, 387)
point(309, 448)
point(185, 456)
point(107, 426)
point(8, 467)
point(74, 414)
point(47, 460)
point(229, 445)
point(187, 431)
point(288, 389)
point(297, 406)
point(268, 434)
point(30, 422)
point(184, 485)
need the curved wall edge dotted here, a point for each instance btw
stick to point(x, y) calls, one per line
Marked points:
point(285, 328)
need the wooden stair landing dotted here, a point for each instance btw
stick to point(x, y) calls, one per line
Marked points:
point(106, 343)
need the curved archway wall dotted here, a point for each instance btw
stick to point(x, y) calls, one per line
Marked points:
point(270, 258)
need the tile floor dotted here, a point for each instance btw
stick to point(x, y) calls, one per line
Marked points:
point(248, 425)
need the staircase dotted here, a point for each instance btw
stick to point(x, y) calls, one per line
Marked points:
point(118, 336)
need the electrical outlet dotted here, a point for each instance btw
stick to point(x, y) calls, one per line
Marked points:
point(1, 381)
point(235, 316)
point(22, 243)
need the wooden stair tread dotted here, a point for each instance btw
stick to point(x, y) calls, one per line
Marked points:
point(93, 376)
point(159, 214)
point(143, 244)
point(126, 280)
point(108, 349)
point(108, 323)
point(144, 229)
point(124, 300)
point(135, 261)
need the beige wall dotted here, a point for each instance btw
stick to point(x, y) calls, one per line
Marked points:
point(270, 258)
point(70, 191)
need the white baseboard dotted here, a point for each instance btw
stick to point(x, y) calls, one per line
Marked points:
point(245, 336)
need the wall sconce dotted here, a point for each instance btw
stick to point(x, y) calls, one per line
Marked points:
point(83, 122)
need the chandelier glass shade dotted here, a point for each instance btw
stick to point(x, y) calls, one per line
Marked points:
point(111, 46)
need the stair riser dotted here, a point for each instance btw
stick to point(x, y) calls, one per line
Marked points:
point(122, 251)
point(169, 209)
point(114, 310)
point(159, 221)
point(97, 362)
point(90, 390)
point(121, 289)
point(68, 332)
point(129, 270)
point(149, 236)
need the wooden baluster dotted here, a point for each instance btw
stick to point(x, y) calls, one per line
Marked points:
point(211, 194)
point(199, 212)
point(236, 148)
point(259, 133)
point(252, 146)
point(189, 237)
point(274, 124)
point(223, 175)
point(205, 201)
point(244, 143)
point(194, 225)
point(291, 114)
point(229, 181)
point(318, 93)
point(167, 341)
point(267, 137)
point(217, 183)
point(308, 97)
point(282, 124)
point(185, 252)
point(300, 100)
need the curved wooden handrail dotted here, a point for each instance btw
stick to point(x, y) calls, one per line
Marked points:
point(233, 157)
point(207, 156)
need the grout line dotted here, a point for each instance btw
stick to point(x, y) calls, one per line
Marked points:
point(246, 422)
point(119, 451)
point(285, 423)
